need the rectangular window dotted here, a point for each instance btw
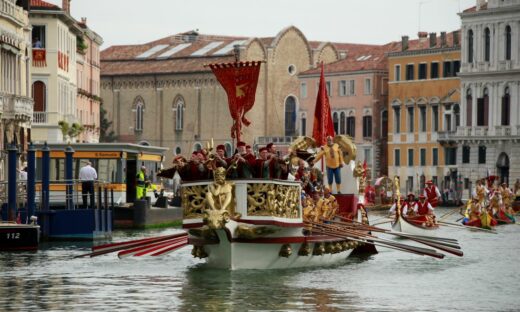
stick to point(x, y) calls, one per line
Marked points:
point(422, 71)
point(456, 68)
point(409, 184)
point(342, 87)
point(435, 157)
point(367, 126)
point(397, 74)
point(422, 114)
point(352, 90)
point(434, 70)
point(465, 154)
point(397, 157)
point(410, 119)
point(450, 155)
point(303, 90)
point(397, 119)
point(466, 183)
point(481, 116)
point(38, 37)
point(435, 117)
point(481, 154)
point(409, 72)
point(368, 156)
point(328, 85)
point(304, 126)
point(434, 180)
point(410, 157)
point(368, 86)
point(423, 157)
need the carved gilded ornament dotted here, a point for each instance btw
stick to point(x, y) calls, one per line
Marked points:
point(193, 201)
point(267, 199)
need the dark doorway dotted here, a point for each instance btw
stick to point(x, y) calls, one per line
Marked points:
point(131, 172)
point(503, 168)
point(39, 96)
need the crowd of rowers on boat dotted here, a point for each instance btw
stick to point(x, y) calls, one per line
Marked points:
point(491, 204)
point(244, 164)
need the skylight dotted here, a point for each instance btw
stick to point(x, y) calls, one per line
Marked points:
point(229, 47)
point(152, 51)
point(207, 48)
point(174, 50)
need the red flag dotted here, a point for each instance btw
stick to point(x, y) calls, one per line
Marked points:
point(323, 125)
point(239, 80)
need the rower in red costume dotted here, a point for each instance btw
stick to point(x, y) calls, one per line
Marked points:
point(424, 212)
point(432, 193)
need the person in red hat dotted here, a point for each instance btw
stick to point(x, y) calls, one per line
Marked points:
point(432, 193)
point(424, 212)
point(243, 161)
point(410, 206)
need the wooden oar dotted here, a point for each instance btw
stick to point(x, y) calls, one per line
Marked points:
point(461, 226)
point(108, 248)
point(356, 234)
point(382, 222)
point(136, 250)
point(448, 214)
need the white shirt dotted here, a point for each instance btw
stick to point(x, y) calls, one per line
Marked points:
point(23, 175)
point(87, 173)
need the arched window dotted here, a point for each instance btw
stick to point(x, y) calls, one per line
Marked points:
point(456, 112)
point(178, 108)
point(367, 126)
point(178, 150)
point(487, 44)
point(335, 121)
point(506, 100)
point(384, 123)
point(351, 126)
point(229, 149)
point(39, 93)
point(290, 116)
point(342, 123)
point(483, 109)
point(470, 46)
point(139, 110)
point(197, 147)
point(508, 43)
point(469, 108)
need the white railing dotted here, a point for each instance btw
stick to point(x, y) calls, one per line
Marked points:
point(46, 118)
point(275, 139)
point(16, 107)
point(9, 8)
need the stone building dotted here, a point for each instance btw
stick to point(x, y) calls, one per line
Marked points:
point(423, 104)
point(160, 93)
point(488, 137)
point(65, 54)
point(16, 106)
point(357, 86)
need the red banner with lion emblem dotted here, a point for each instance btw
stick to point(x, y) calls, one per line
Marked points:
point(239, 80)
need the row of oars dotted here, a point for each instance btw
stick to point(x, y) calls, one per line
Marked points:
point(356, 231)
point(153, 246)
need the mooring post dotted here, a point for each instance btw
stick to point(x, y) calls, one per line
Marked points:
point(69, 152)
point(31, 180)
point(46, 162)
point(11, 182)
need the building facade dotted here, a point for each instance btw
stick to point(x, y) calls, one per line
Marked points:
point(357, 87)
point(65, 52)
point(423, 103)
point(16, 106)
point(88, 98)
point(160, 93)
point(489, 135)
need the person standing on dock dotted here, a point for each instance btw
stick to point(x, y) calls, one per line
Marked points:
point(87, 176)
point(141, 184)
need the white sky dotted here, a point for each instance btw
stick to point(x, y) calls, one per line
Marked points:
point(354, 21)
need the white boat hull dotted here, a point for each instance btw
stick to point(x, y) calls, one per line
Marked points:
point(403, 226)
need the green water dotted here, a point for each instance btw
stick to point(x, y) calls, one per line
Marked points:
point(487, 278)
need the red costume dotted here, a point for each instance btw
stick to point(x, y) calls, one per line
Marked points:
point(432, 193)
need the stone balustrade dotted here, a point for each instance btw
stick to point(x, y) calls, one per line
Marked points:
point(16, 107)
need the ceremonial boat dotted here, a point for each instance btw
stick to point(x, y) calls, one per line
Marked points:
point(14, 236)
point(262, 228)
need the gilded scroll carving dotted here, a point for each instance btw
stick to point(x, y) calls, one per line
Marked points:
point(267, 199)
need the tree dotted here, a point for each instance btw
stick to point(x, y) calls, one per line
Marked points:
point(70, 131)
point(105, 135)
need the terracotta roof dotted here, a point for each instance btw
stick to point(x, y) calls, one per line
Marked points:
point(43, 4)
point(424, 43)
point(178, 65)
point(474, 8)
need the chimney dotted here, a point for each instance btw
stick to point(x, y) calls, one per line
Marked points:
point(456, 38)
point(84, 20)
point(443, 38)
point(65, 5)
point(404, 43)
point(433, 40)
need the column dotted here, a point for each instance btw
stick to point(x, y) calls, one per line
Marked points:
point(12, 174)
point(31, 178)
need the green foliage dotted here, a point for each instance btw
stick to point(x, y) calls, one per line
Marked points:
point(81, 46)
point(70, 131)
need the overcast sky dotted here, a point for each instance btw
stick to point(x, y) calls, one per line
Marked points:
point(355, 21)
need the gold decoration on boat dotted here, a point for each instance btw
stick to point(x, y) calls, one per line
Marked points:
point(204, 232)
point(329, 247)
point(304, 250)
point(276, 200)
point(199, 252)
point(252, 232)
point(220, 201)
point(193, 201)
point(319, 249)
point(285, 251)
point(302, 143)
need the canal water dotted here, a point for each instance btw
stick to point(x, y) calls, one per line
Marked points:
point(487, 278)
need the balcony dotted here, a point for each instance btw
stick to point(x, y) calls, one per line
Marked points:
point(10, 9)
point(446, 137)
point(15, 107)
point(46, 118)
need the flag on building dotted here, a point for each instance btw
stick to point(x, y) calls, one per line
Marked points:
point(323, 125)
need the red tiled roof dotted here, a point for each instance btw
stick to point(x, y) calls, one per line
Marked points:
point(43, 4)
point(474, 8)
point(168, 66)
